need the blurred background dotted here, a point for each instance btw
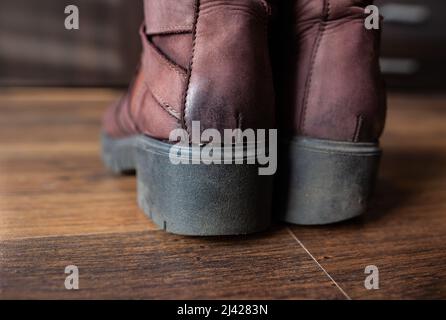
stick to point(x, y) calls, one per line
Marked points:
point(60, 206)
point(36, 50)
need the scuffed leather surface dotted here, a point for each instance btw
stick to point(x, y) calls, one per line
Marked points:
point(231, 82)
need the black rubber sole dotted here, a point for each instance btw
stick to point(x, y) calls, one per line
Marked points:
point(323, 182)
point(192, 199)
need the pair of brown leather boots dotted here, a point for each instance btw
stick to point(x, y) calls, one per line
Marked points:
point(309, 68)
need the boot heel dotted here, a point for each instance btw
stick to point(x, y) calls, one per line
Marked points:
point(327, 181)
point(200, 199)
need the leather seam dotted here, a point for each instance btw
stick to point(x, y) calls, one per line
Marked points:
point(129, 105)
point(117, 113)
point(170, 29)
point(169, 33)
point(316, 46)
point(266, 6)
point(359, 124)
point(165, 61)
point(130, 115)
point(365, 154)
point(164, 105)
point(140, 109)
point(194, 42)
point(162, 59)
point(171, 63)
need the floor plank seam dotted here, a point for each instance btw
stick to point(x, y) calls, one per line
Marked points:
point(70, 235)
point(319, 265)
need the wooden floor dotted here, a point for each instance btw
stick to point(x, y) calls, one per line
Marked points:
point(59, 207)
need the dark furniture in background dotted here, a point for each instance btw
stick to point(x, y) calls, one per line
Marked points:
point(414, 43)
point(36, 49)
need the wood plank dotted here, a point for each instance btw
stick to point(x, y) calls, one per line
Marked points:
point(52, 180)
point(404, 232)
point(157, 265)
point(60, 206)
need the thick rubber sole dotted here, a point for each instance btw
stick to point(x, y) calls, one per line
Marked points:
point(324, 182)
point(192, 199)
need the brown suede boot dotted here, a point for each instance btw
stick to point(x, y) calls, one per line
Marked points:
point(332, 105)
point(206, 61)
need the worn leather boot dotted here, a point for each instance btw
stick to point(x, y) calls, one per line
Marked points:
point(331, 104)
point(206, 61)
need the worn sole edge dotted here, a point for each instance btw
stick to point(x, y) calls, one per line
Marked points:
point(323, 182)
point(197, 200)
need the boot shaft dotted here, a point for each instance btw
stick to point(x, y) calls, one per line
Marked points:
point(334, 88)
point(222, 48)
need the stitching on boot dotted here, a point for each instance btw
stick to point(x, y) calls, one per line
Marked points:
point(140, 109)
point(129, 107)
point(170, 30)
point(123, 126)
point(239, 120)
point(117, 113)
point(165, 60)
point(359, 124)
point(317, 43)
point(164, 105)
point(266, 6)
point(189, 75)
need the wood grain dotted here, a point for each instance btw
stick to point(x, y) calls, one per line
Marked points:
point(60, 206)
point(156, 265)
point(404, 234)
point(52, 180)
